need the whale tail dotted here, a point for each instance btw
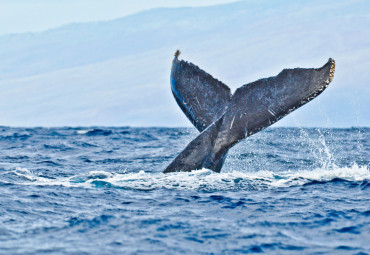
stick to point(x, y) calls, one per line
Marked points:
point(224, 120)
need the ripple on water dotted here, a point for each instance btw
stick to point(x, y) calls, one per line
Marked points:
point(76, 190)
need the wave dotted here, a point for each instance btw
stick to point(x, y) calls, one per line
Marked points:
point(204, 179)
point(95, 132)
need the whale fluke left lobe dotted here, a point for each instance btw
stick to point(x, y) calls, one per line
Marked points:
point(201, 97)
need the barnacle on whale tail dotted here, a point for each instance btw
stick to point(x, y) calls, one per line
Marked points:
point(332, 69)
point(177, 54)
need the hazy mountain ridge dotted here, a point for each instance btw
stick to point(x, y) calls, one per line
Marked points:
point(117, 72)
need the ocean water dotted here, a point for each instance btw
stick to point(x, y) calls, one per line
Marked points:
point(101, 190)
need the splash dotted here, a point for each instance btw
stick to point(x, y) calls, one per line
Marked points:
point(318, 147)
point(204, 179)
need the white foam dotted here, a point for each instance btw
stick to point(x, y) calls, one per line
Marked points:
point(83, 132)
point(201, 179)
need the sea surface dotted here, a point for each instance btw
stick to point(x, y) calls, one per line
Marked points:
point(101, 190)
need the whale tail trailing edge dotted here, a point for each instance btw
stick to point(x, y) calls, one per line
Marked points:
point(252, 108)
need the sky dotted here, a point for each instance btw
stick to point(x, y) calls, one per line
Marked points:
point(113, 70)
point(19, 16)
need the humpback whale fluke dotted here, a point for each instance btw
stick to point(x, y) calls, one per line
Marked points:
point(224, 119)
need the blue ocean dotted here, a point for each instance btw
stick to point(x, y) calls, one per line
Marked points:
point(101, 190)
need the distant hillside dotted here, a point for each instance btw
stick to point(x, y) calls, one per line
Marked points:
point(117, 72)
